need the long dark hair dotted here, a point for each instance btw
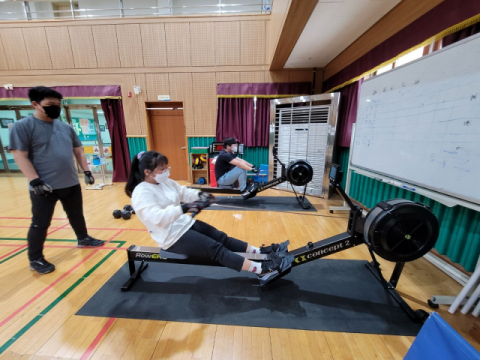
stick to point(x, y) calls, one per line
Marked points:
point(149, 160)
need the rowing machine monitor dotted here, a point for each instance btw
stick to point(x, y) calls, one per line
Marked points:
point(336, 175)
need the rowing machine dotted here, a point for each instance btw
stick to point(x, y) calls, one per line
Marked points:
point(397, 230)
point(298, 173)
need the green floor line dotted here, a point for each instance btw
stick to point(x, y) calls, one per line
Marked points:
point(12, 256)
point(56, 301)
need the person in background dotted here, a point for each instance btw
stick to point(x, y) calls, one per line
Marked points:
point(43, 148)
point(229, 168)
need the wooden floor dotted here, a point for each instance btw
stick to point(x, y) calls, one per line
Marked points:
point(37, 313)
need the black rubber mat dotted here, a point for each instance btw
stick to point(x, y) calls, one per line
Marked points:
point(260, 203)
point(328, 295)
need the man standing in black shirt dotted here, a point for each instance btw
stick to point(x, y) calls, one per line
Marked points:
point(229, 168)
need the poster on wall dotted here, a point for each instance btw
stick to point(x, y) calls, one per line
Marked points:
point(85, 129)
point(6, 123)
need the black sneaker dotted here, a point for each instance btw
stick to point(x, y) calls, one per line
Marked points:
point(271, 265)
point(250, 191)
point(275, 268)
point(42, 266)
point(90, 242)
point(276, 248)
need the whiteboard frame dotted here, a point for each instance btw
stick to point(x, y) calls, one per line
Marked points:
point(445, 197)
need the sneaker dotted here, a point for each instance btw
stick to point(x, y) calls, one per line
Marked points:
point(250, 191)
point(42, 266)
point(90, 242)
point(275, 268)
point(276, 248)
point(269, 266)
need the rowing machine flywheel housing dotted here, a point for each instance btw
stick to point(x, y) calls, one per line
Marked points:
point(299, 172)
point(400, 230)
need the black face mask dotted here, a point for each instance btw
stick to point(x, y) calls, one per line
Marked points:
point(52, 111)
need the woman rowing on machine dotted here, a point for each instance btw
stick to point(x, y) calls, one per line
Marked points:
point(161, 205)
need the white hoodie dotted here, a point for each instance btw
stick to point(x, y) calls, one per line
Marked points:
point(158, 208)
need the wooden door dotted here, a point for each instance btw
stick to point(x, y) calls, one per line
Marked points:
point(168, 138)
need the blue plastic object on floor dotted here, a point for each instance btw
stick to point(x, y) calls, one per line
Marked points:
point(438, 340)
point(263, 177)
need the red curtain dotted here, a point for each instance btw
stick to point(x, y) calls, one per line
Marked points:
point(236, 118)
point(448, 13)
point(347, 114)
point(460, 35)
point(113, 112)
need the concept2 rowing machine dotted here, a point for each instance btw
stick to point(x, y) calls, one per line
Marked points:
point(397, 230)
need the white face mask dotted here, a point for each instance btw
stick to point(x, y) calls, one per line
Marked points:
point(234, 148)
point(161, 178)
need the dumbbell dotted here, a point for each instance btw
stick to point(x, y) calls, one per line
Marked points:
point(127, 212)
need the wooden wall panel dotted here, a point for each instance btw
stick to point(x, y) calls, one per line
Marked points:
point(153, 44)
point(178, 44)
point(228, 77)
point(83, 47)
point(129, 45)
point(156, 84)
point(202, 38)
point(227, 42)
point(36, 45)
point(301, 76)
point(60, 48)
point(205, 102)
point(252, 77)
point(268, 41)
point(3, 59)
point(130, 105)
point(253, 45)
point(277, 76)
point(106, 46)
point(181, 89)
point(140, 80)
point(15, 50)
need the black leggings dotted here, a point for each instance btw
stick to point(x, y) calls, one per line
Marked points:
point(42, 210)
point(206, 244)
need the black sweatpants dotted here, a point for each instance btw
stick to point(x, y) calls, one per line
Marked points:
point(205, 243)
point(42, 211)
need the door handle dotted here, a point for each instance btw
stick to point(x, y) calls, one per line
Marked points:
point(183, 148)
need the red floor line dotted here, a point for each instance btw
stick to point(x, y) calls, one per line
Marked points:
point(67, 247)
point(16, 312)
point(56, 229)
point(69, 228)
point(97, 339)
point(25, 218)
point(92, 228)
point(14, 251)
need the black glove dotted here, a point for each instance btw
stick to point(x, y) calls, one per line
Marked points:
point(193, 208)
point(206, 197)
point(39, 187)
point(89, 179)
point(255, 169)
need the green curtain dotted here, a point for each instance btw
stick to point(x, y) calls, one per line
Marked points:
point(136, 144)
point(459, 237)
point(256, 155)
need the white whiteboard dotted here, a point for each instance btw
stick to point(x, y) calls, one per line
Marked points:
point(420, 123)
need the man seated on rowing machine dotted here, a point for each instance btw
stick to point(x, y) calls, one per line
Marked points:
point(161, 205)
point(229, 168)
